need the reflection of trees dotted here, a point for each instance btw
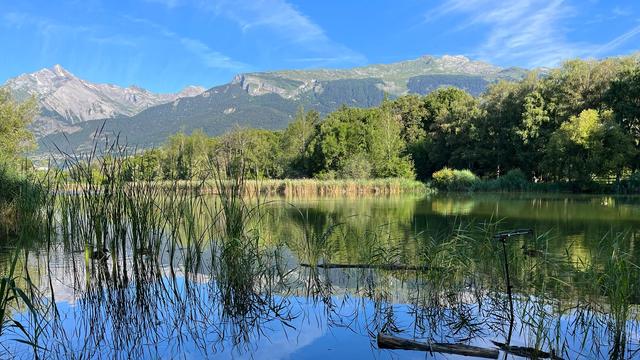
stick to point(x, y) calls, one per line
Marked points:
point(194, 283)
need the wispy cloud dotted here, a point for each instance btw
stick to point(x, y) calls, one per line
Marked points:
point(283, 19)
point(524, 31)
point(206, 55)
point(617, 42)
point(531, 32)
point(622, 11)
point(49, 28)
point(167, 3)
point(210, 58)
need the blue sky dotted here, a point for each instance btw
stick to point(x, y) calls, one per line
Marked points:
point(164, 45)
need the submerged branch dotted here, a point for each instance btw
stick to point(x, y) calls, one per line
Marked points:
point(527, 352)
point(368, 266)
point(392, 342)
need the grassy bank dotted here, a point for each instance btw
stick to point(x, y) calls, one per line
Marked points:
point(315, 188)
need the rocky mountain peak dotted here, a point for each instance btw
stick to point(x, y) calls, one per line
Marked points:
point(66, 100)
point(60, 71)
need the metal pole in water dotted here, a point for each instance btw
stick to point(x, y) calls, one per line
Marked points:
point(503, 236)
point(509, 294)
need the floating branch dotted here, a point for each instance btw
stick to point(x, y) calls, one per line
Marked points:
point(526, 351)
point(369, 266)
point(392, 342)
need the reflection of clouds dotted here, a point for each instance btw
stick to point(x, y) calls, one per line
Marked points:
point(282, 347)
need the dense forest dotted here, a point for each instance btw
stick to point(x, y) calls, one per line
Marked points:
point(576, 124)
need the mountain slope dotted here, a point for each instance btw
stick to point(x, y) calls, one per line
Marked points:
point(269, 100)
point(66, 100)
point(394, 77)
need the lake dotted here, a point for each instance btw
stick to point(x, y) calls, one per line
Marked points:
point(188, 277)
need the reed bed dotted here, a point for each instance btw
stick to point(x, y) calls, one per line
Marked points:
point(307, 188)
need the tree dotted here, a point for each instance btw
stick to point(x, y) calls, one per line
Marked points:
point(294, 143)
point(588, 145)
point(580, 85)
point(534, 131)
point(15, 137)
point(623, 97)
point(343, 134)
point(411, 111)
point(448, 126)
point(258, 149)
point(387, 148)
point(187, 155)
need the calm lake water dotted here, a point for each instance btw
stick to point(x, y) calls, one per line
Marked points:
point(573, 282)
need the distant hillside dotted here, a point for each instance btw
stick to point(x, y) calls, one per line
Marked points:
point(269, 100)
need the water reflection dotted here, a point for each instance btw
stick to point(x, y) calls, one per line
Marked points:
point(181, 283)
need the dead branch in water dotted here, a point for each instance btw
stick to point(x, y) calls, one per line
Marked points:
point(369, 266)
point(392, 342)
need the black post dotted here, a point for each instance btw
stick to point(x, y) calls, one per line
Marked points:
point(509, 294)
point(503, 236)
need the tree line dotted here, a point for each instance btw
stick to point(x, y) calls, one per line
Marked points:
point(574, 124)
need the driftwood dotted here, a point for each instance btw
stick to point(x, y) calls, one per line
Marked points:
point(527, 352)
point(369, 266)
point(392, 342)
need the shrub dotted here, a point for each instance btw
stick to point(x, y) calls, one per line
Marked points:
point(356, 167)
point(325, 175)
point(454, 180)
point(513, 180)
point(10, 183)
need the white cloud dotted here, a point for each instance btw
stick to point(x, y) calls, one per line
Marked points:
point(617, 42)
point(206, 55)
point(283, 19)
point(48, 28)
point(524, 31)
point(530, 32)
point(210, 58)
point(622, 11)
point(167, 3)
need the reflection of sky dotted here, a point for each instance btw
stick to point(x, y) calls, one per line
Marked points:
point(316, 333)
point(312, 334)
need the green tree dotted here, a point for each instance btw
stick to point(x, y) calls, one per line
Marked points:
point(448, 126)
point(187, 156)
point(387, 147)
point(15, 137)
point(588, 145)
point(624, 98)
point(258, 149)
point(411, 110)
point(341, 135)
point(295, 141)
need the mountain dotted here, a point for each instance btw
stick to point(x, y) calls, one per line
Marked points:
point(66, 100)
point(419, 76)
point(269, 100)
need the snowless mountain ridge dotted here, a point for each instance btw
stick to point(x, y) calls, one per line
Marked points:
point(66, 100)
